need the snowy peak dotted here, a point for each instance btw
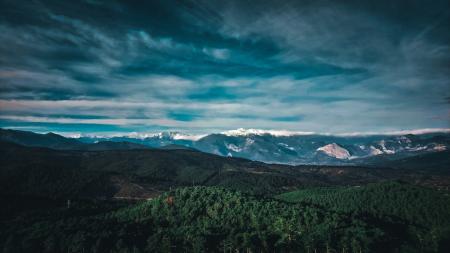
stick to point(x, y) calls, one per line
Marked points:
point(189, 137)
point(166, 135)
point(251, 131)
point(336, 151)
point(278, 146)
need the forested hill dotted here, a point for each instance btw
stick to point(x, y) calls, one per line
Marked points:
point(145, 173)
point(214, 219)
point(418, 213)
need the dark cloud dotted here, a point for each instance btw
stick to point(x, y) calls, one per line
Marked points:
point(215, 64)
point(182, 116)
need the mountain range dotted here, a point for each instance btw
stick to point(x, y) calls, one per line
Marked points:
point(144, 173)
point(259, 145)
point(298, 148)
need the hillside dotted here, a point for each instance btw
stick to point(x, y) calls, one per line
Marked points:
point(55, 141)
point(207, 219)
point(435, 162)
point(137, 199)
point(423, 213)
point(49, 140)
point(145, 173)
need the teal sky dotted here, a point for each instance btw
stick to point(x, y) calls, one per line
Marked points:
point(206, 66)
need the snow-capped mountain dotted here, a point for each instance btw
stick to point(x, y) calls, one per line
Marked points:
point(251, 131)
point(297, 147)
point(149, 139)
point(166, 135)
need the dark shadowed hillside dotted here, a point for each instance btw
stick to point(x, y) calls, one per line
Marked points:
point(143, 173)
point(55, 141)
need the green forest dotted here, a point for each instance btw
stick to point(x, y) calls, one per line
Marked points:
point(389, 217)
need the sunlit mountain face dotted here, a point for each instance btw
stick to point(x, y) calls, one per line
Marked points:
point(201, 67)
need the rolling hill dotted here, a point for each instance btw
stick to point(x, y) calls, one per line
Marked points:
point(55, 141)
point(143, 173)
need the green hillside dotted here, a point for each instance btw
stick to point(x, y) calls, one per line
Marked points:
point(422, 212)
point(214, 219)
point(195, 219)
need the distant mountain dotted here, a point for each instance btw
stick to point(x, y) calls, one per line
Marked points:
point(113, 145)
point(299, 148)
point(153, 140)
point(49, 140)
point(55, 141)
point(175, 147)
point(320, 149)
point(267, 146)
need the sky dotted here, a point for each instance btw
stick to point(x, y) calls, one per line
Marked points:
point(208, 66)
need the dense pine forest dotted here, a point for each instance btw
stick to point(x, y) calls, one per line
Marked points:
point(417, 214)
point(216, 219)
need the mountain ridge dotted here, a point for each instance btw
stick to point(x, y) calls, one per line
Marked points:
point(265, 147)
point(146, 172)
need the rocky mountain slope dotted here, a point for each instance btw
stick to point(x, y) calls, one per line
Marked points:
point(299, 148)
